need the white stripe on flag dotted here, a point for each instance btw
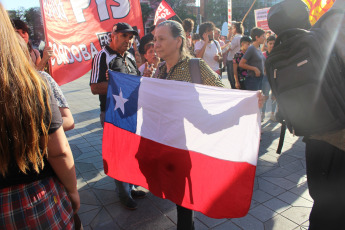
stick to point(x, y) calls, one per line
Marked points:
point(214, 121)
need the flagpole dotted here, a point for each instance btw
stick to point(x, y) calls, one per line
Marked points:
point(178, 18)
point(245, 16)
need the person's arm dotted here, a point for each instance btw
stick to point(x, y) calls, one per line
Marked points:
point(218, 57)
point(98, 81)
point(226, 48)
point(99, 88)
point(199, 52)
point(47, 54)
point(68, 121)
point(243, 64)
point(61, 160)
point(237, 82)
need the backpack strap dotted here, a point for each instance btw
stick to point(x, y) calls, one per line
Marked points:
point(155, 75)
point(194, 70)
point(218, 46)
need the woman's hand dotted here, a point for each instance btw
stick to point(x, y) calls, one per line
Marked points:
point(257, 72)
point(47, 53)
point(261, 98)
point(237, 85)
point(148, 71)
point(75, 200)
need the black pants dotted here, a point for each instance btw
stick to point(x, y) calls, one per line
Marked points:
point(326, 182)
point(185, 219)
point(230, 69)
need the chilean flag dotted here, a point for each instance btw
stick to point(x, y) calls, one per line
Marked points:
point(193, 144)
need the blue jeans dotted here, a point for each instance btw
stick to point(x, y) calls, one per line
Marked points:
point(253, 83)
point(230, 69)
point(266, 91)
point(123, 189)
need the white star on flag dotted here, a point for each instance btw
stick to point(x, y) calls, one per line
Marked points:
point(120, 102)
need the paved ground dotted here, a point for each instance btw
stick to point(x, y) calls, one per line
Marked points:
point(280, 200)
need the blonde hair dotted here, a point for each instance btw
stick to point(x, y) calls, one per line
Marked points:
point(24, 105)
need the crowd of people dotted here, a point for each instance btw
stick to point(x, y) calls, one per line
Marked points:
point(37, 169)
point(242, 57)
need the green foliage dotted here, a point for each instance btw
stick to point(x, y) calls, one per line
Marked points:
point(217, 12)
point(183, 8)
point(33, 19)
point(146, 10)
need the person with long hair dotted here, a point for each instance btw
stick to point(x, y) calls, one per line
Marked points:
point(23, 30)
point(67, 117)
point(38, 186)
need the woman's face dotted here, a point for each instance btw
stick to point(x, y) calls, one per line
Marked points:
point(261, 39)
point(165, 44)
point(151, 56)
point(233, 30)
point(24, 35)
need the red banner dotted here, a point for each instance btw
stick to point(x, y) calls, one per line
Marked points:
point(164, 11)
point(78, 29)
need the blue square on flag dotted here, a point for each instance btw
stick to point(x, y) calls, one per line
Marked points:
point(122, 97)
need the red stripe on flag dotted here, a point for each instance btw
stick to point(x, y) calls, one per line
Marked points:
point(217, 188)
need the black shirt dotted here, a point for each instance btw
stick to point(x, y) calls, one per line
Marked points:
point(14, 175)
point(107, 58)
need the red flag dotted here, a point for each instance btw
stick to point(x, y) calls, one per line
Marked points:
point(164, 11)
point(76, 30)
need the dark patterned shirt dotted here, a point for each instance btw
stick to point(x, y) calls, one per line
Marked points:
point(58, 95)
point(242, 73)
point(180, 72)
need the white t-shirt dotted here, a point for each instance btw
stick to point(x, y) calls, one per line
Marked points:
point(141, 69)
point(210, 51)
point(235, 46)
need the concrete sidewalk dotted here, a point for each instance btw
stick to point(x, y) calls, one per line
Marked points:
point(280, 200)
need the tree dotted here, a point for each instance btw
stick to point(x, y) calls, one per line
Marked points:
point(183, 8)
point(146, 11)
point(34, 21)
point(32, 17)
point(217, 11)
point(240, 8)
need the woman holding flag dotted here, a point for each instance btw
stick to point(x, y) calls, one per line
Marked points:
point(170, 45)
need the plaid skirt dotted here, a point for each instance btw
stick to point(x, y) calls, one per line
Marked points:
point(42, 204)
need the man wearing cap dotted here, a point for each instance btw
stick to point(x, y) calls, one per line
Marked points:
point(117, 58)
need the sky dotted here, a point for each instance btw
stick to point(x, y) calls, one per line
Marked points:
point(16, 4)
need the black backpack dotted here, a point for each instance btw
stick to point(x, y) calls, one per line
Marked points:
point(307, 78)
